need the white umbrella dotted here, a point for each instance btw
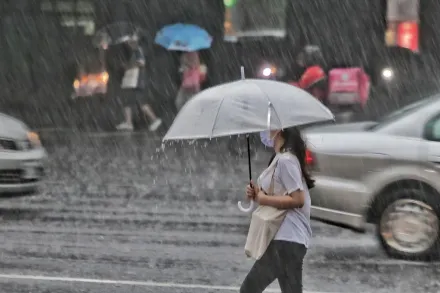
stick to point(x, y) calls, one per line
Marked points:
point(243, 107)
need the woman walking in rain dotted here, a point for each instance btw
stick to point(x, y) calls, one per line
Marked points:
point(284, 185)
point(192, 78)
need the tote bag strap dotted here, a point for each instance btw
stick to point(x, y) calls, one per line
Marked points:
point(272, 180)
point(271, 190)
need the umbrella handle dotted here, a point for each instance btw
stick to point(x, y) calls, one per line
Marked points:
point(246, 210)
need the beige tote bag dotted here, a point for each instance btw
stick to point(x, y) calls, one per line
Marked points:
point(130, 79)
point(264, 225)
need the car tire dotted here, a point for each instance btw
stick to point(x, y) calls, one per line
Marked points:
point(399, 211)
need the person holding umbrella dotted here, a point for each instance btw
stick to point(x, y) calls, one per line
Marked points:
point(134, 83)
point(191, 79)
point(189, 39)
point(279, 231)
point(283, 185)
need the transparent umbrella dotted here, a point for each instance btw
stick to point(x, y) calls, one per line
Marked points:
point(244, 107)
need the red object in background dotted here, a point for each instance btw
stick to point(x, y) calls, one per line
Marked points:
point(202, 77)
point(408, 35)
point(191, 78)
point(348, 86)
point(311, 76)
point(318, 93)
point(309, 158)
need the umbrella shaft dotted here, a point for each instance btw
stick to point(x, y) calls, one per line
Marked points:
point(249, 156)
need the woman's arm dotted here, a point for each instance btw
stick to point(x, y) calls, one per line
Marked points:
point(283, 202)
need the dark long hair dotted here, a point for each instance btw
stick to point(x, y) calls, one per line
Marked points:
point(294, 143)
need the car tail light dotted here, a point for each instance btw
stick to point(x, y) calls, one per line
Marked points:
point(310, 159)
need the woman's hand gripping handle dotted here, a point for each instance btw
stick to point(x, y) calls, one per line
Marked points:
point(251, 192)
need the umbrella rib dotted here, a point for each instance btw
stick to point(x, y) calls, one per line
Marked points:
point(267, 97)
point(216, 117)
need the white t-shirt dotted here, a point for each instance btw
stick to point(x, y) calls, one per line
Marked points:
point(287, 179)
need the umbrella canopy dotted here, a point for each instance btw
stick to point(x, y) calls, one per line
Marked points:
point(246, 106)
point(117, 33)
point(183, 37)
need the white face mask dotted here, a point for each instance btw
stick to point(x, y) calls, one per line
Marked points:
point(266, 139)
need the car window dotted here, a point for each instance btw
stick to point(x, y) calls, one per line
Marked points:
point(400, 113)
point(432, 129)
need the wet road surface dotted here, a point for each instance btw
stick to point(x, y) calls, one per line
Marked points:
point(118, 214)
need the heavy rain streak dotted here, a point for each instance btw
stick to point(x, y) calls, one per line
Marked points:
point(219, 146)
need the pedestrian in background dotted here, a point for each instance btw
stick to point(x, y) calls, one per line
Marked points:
point(192, 76)
point(133, 83)
point(284, 185)
point(314, 81)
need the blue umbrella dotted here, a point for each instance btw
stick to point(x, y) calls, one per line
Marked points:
point(183, 37)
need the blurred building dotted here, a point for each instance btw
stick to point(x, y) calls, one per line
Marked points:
point(41, 41)
point(41, 31)
point(43, 38)
point(403, 18)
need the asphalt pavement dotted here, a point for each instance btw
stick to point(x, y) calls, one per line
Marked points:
point(122, 213)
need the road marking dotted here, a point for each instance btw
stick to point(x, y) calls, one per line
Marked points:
point(121, 133)
point(98, 133)
point(53, 129)
point(131, 283)
point(105, 134)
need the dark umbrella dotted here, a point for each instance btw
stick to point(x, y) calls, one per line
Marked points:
point(117, 33)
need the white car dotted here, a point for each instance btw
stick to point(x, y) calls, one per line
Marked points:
point(22, 158)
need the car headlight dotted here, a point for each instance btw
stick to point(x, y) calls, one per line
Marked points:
point(387, 73)
point(76, 84)
point(268, 71)
point(34, 139)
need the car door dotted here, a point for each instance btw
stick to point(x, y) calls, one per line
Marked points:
point(431, 152)
point(431, 134)
point(341, 166)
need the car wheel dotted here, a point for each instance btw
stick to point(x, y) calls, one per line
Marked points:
point(408, 226)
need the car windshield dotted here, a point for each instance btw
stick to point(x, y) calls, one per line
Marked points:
point(400, 113)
